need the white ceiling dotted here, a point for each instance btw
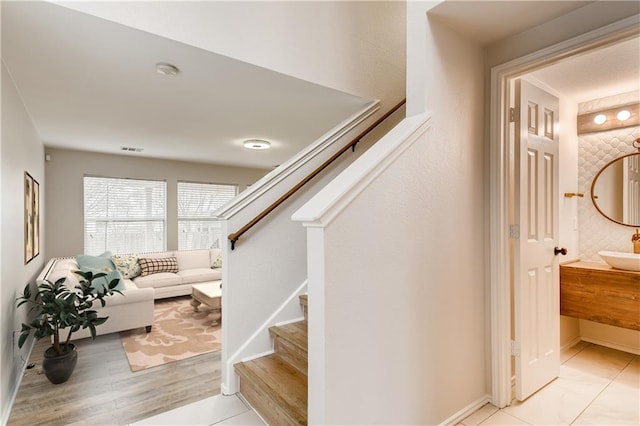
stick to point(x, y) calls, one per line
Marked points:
point(91, 84)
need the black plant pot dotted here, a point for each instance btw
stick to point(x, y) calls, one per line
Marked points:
point(58, 368)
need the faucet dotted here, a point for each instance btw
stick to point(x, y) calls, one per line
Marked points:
point(635, 239)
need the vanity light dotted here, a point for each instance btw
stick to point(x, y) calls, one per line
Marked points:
point(600, 119)
point(603, 120)
point(624, 115)
point(256, 144)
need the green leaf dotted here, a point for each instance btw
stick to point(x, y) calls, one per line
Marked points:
point(99, 321)
point(23, 338)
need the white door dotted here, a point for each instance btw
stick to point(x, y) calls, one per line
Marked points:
point(536, 266)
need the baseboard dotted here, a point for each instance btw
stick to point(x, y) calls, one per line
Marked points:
point(467, 411)
point(623, 348)
point(570, 344)
point(6, 411)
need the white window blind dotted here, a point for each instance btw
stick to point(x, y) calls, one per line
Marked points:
point(197, 202)
point(124, 215)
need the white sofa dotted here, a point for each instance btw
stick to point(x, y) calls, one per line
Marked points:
point(194, 267)
point(134, 307)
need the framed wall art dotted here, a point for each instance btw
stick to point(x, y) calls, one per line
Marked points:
point(31, 218)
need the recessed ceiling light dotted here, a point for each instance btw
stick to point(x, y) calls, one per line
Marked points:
point(624, 115)
point(167, 69)
point(600, 119)
point(256, 144)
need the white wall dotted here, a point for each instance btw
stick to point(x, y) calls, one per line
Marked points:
point(64, 175)
point(356, 47)
point(396, 268)
point(22, 150)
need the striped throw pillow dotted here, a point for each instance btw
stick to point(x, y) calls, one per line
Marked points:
point(150, 266)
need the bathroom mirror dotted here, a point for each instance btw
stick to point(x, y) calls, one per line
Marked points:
point(615, 190)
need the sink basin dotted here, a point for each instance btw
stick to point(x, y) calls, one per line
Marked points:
point(620, 260)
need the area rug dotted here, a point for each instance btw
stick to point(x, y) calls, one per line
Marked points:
point(178, 332)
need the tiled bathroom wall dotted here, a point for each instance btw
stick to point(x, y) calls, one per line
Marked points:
point(594, 151)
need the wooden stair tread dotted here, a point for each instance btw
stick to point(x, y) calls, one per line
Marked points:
point(296, 333)
point(280, 382)
point(303, 299)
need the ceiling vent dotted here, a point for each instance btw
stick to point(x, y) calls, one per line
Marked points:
point(130, 149)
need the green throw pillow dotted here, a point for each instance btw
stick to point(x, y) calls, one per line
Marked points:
point(98, 262)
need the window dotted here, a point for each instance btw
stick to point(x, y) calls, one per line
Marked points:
point(197, 202)
point(124, 215)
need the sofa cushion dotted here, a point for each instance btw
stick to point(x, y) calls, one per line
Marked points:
point(192, 259)
point(131, 294)
point(127, 265)
point(162, 279)
point(149, 266)
point(155, 254)
point(199, 275)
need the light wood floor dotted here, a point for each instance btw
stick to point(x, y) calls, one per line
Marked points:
point(104, 391)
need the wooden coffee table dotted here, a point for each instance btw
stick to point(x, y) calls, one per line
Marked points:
point(210, 295)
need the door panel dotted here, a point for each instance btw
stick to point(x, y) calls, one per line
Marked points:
point(536, 286)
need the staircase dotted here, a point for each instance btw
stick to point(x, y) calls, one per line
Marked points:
point(276, 385)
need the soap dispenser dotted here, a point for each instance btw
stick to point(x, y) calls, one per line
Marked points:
point(635, 239)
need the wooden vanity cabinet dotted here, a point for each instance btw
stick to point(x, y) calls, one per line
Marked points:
point(597, 292)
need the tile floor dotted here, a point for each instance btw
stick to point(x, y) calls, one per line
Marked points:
point(597, 386)
point(216, 410)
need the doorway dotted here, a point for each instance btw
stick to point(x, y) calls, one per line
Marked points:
point(500, 200)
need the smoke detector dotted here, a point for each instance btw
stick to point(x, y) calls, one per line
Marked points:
point(167, 69)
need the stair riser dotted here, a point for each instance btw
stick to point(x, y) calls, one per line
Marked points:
point(291, 354)
point(272, 413)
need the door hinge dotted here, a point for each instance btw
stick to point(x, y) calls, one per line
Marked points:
point(515, 348)
point(513, 115)
point(514, 232)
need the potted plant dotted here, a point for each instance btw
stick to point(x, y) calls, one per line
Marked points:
point(55, 307)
